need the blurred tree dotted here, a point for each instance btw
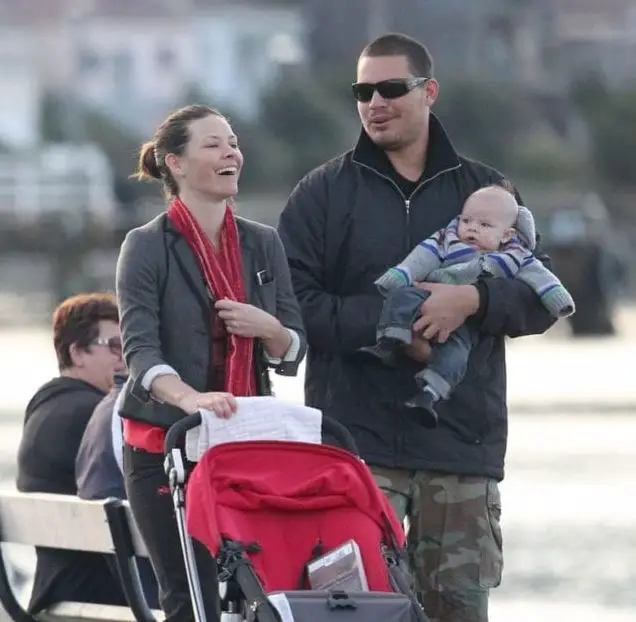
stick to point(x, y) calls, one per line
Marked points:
point(121, 147)
point(52, 127)
point(611, 119)
point(313, 124)
point(483, 120)
point(267, 159)
point(337, 85)
point(118, 143)
point(544, 158)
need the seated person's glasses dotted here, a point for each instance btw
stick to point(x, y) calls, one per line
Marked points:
point(112, 343)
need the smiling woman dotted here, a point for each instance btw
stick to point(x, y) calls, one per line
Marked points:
point(196, 142)
point(206, 306)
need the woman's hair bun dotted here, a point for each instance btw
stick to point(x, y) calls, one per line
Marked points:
point(148, 167)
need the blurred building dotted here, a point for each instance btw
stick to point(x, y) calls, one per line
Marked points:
point(594, 38)
point(543, 44)
point(240, 48)
point(36, 55)
point(126, 64)
point(21, 90)
point(130, 60)
point(134, 60)
point(72, 181)
point(490, 39)
point(21, 78)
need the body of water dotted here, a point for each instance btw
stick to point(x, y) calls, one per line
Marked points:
point(568, 516)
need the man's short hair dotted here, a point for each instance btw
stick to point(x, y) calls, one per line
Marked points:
point(396, 44)
point(76, 321)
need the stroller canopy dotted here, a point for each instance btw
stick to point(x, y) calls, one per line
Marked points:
point(290, 498)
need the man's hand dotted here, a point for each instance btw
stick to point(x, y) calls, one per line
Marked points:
point(419, 349)
point(445, 310)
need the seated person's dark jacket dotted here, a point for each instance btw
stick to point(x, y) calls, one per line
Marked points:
point(99, 477)
point(97, 473)
point(54, 423)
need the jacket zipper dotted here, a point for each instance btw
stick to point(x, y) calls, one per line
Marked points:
point(407, 201)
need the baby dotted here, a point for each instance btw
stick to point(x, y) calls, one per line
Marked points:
point(492, 237)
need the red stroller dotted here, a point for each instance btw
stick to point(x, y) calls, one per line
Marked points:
point(266, 508)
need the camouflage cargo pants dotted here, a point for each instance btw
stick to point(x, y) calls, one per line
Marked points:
point(454, 539)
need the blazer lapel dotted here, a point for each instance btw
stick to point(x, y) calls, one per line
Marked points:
point(188, 266)
point(192, 274)
point(249, 268)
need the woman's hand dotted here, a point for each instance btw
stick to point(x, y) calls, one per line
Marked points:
point(222, 404)
point(246, 320)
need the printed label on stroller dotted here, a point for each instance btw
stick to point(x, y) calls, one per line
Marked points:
point(339, 569)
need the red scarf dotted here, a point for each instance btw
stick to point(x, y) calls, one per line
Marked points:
point(223, 275)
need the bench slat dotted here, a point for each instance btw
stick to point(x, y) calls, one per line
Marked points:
point(59, 521)
point(67, 522)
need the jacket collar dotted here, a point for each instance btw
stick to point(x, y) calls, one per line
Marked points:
point(441, 156)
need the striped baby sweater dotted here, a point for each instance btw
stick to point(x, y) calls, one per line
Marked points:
point(444, 258)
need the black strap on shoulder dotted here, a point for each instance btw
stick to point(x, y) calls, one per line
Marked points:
point(164, 284)
point(168, 247)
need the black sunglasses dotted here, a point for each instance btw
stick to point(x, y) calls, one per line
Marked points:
point(387, 89)
point(112, 343)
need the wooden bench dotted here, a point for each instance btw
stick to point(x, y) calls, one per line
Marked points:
point(65, 522)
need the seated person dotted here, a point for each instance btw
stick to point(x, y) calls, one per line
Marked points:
point(97, 469)
point(88, 348)
point(492, 237)
point(99, 472)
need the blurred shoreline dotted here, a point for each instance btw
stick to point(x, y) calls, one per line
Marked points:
point(568, 525)
point(548, 373)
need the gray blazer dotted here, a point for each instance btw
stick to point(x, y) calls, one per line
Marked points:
point(166, 310)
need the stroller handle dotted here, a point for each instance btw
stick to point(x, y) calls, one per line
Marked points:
point(340, 434)
point(178, 430)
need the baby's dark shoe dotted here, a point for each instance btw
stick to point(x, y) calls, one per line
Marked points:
point(424, 403)
point(384, 350)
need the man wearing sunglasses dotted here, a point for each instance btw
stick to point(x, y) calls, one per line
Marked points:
point(344, 224)
point(88, 348)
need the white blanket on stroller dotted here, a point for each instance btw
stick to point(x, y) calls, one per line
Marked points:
point(257, 419)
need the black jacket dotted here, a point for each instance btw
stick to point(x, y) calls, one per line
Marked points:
point(54, 423)
point(344, 224)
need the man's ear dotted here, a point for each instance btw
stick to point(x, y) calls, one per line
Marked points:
point(76, 355)
point(432, 91)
